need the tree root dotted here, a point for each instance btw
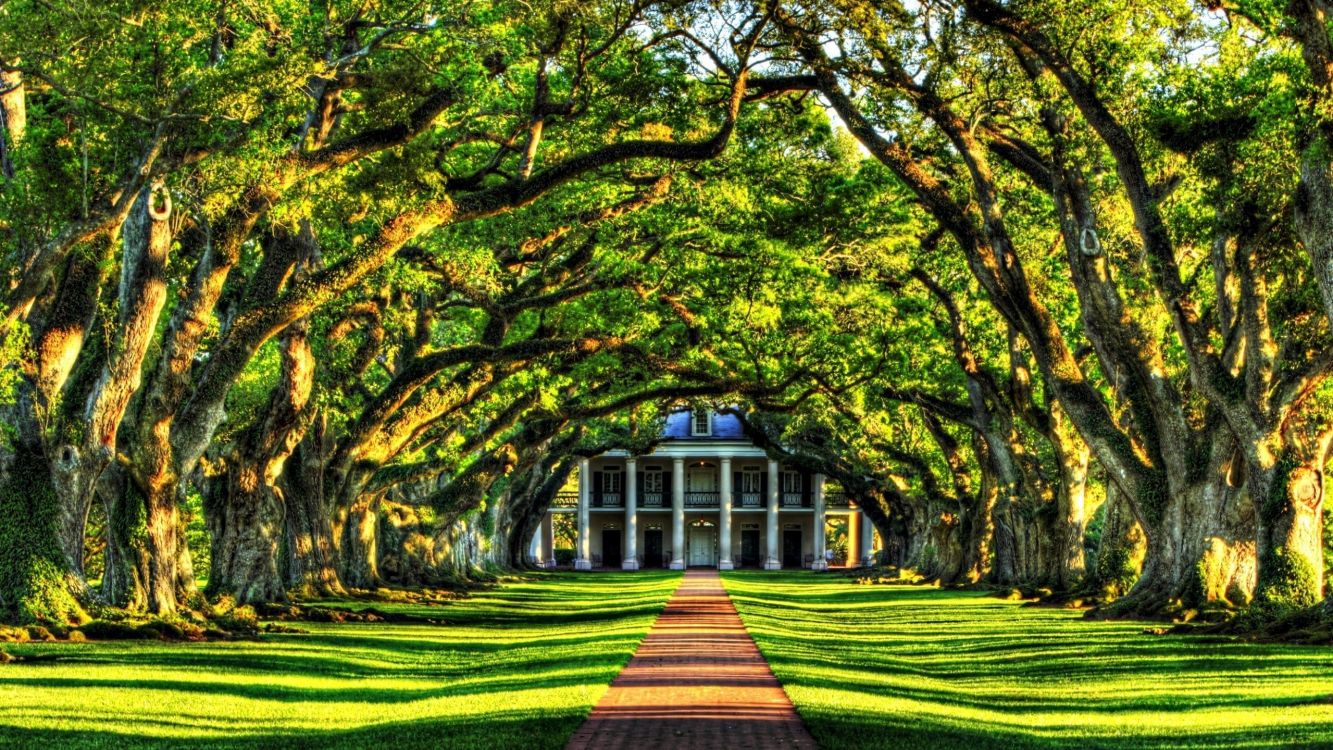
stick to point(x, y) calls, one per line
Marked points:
point(1311, 626)
point(296, 612)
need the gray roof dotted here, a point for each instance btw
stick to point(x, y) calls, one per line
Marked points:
point(725, 427)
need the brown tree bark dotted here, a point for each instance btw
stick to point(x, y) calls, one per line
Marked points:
point(246, 514)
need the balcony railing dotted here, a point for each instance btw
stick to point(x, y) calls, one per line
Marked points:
point(570, 500)
point(702, 499)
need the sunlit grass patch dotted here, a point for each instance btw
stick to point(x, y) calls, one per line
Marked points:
point(918, 667)
point(516, 666)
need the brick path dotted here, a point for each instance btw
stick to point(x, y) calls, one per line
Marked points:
point(697, 681)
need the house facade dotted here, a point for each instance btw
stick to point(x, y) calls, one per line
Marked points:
point(705, 497)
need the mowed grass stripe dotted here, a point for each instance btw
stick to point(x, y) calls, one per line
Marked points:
point(899, 666)
point(520, 665)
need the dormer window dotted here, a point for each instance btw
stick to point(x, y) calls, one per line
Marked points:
point(701, 425)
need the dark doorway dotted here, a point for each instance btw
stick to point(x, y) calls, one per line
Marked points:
point(611, 554)
point(791, 548)
point(652, 548)
point(749, 548)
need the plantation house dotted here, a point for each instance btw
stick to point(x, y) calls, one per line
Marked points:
point(705, 497)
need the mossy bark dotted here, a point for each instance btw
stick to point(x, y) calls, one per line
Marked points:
point(1290, 534)
point(311, 551)
point(245, 506)
point(37, 584)
point(1200, 549)
point(246, 522)
point(360, 554)
point(125, 576)
point(1122, 549)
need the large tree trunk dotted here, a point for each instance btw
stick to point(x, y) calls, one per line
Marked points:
point(162, 526)
point(246, 524)
point(78, 466)
point(1200, 548)
point(37, 583)
point(1122, 548)
point(61, 326)
point(1002, 486)
point(1073, 456)
point(1290, 544)
point(975, 534)
point(311, 567)
point(125, 568)
point(360, 552)
point(949, 564)
point(245, 512)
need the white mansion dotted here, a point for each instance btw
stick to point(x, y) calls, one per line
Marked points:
point(706, 496)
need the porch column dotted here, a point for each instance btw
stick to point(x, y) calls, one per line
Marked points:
point(773, 561)
point(583, 555)
point(867, 541)
point(678, 514)
point(631, 561)
point(535, 547)
point(724, 561)
point(548, 541)
point(820, 536)
point(853, 538)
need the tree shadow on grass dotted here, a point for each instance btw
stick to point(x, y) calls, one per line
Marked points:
point(493, 731)
point(893, 666)
point(833, 730)
point(224, 695)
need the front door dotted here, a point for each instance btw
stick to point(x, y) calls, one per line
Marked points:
point(702, 550)
point(791, 548)
point(652, 548)
point(611, 555)
point(749, 548)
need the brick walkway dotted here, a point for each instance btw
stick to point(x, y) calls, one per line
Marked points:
point(697, 681)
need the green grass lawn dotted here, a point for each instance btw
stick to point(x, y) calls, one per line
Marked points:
point(517, 666)
point(915, 667)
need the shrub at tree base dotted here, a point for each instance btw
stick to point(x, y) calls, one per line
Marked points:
point(1290, 582)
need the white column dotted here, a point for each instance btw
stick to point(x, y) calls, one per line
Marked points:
point(631, 516)
point(724, 561)
point(773, 561)
point(535, 548)
point(867, 540)
point(548, 540)
point(678, 514)
point(820, 536)
point(583, 555)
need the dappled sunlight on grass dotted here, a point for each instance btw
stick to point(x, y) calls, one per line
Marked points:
point(517, 666)
point(899, 666)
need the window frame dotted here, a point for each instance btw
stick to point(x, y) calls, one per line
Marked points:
point(613, 480)
point(757, 473)
point(790, 482)
point(649, 475)
point(694, 423)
